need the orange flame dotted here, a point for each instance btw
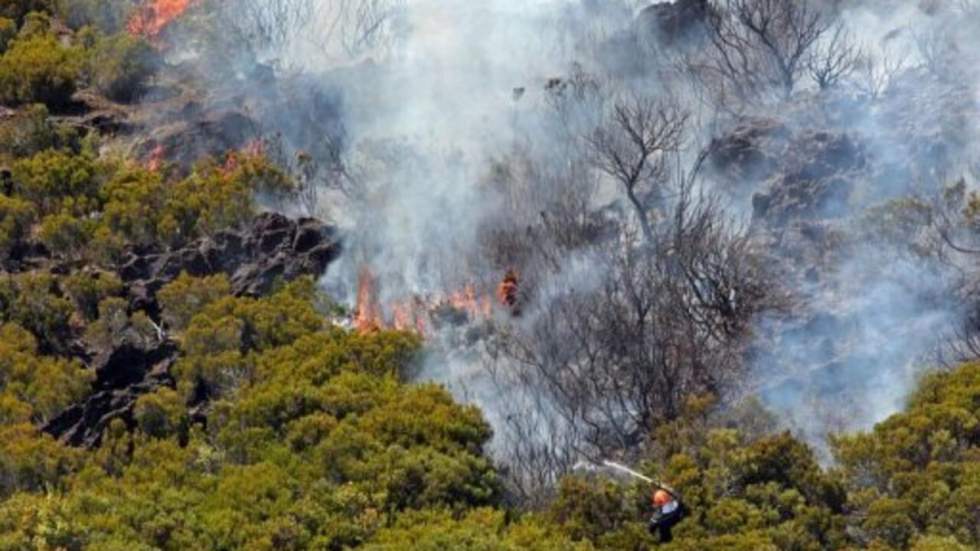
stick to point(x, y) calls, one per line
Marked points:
point(154, 16)
point(367, 317)
point(415, 313)
point(155, 160)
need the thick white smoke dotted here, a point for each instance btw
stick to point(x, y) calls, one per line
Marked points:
point(462, 85)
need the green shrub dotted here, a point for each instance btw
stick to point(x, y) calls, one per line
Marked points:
point(61, 183)
point(161, 413)
point(112, 321)
point(88, 288)
point(16, 217)
point(65, 235)
point(134, 205)
point(27, 132)
point(186, 296)
point(35, 24)
point(46, 385)
point(38, 69)
point(32, 300)
point(120, 65)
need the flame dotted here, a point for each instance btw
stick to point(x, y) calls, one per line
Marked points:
point(467, 301)
point(367, 317)
point(416, 312)
point(155, 15)
point(154, 162)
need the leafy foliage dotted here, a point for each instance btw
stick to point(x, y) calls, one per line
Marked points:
point(16, 217)
point(917, 473)
point(34, 301)
point(33, 387)
point(37, 68)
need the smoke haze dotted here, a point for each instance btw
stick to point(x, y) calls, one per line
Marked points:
point(461, 108)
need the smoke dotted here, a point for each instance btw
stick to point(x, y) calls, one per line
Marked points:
point(465, 86)
point(463, 129)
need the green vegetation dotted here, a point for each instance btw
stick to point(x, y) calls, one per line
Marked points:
point(314, 440)
point(918, 473)
point(37, 68)
point(314, 436)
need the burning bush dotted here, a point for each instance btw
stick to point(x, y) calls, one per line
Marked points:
point(155, 15)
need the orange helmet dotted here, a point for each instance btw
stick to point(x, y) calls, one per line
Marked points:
point(661, 498)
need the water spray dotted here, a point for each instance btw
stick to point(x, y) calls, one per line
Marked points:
point(624, 469)
point(629, 471)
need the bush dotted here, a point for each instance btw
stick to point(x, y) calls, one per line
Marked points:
point(61, 183)
point(32, 300)
point(38, 69)
point(65, 236)
point(45, 385)
point(186, 296)
point(87, 289)
point(161, 413)
point(16, 217)
point(27, 132)
point(134, 204)
point(916, 473)
point(120, 65)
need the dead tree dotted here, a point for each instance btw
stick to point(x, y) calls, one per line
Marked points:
point(618, 350)
point(365, 25)
point(264, 26)
point(633, 146)
point(760, 46)
point(268, 27)
point(835, 59)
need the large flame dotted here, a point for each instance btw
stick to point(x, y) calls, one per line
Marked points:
point(155, 15)
point(416, 312)
point(367, 317)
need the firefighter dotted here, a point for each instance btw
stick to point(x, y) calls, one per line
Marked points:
point(668, 510)
point(507, 292)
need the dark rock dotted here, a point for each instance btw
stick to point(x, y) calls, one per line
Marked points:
point(122, 376)
point(671, 22)
point(129, 364)
point(191, 136)
point(750, 150)
point(815, 182)
point(273, 247)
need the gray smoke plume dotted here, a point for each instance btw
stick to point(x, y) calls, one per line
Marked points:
point(464, 152)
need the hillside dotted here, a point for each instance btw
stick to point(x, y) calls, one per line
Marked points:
point(421, 274)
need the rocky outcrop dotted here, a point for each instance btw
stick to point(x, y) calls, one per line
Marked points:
point(273, 247)
point(123, 374)
point(750, 150)
point(671, 22)
point(194, 133)
point(270, 249)
point(815, 181)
